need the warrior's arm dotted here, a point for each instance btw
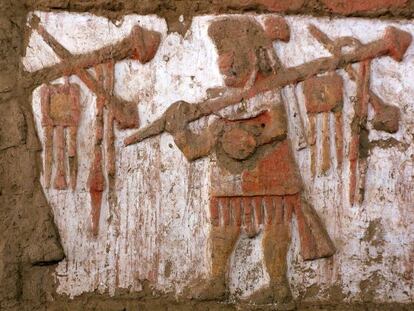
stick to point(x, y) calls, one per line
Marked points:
point(394, 43)
point(193, 145)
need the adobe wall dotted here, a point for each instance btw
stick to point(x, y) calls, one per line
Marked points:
point(151, 236)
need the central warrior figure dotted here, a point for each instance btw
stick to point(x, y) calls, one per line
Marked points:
point(256, 185)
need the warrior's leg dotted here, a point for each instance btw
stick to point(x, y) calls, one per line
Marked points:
point(73, 155)
point(275, 243)
point(223, 241)
point(223, 238)
point(60, 177)
point(48, 130)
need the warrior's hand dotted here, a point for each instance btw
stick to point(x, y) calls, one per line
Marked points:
point(174, 121)
point(178, 115)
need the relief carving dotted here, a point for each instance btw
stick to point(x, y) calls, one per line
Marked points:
point(323, 95)
point(60, 113)
point(257, 186)
point(386, 118)
point(61, 107)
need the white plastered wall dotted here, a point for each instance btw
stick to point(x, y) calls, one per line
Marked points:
point(161, 216)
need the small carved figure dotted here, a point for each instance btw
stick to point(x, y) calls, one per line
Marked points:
point(141, 45)
point(60, 113)
point(324, 94)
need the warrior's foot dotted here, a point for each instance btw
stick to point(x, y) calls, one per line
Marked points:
point(282, 293)
point(213, 289)
point(276, 293)
point(262, 296)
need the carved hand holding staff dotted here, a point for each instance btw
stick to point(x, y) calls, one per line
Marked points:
point(257, 184)
point(394, 44)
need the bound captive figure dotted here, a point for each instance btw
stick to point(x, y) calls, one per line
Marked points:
point(256, 185)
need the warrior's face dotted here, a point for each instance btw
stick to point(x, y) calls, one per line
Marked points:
point(237, 66)
point(243, 46)
point(237, 41)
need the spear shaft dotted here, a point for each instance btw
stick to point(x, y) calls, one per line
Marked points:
point(394, 43)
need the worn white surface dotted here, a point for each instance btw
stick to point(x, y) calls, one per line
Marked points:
point(161, 216)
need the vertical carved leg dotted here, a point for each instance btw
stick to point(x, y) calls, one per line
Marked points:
point(60, 178)
point(248, 217)
point(275, 243)
point(326, 158)
point(339, 138)
point(312, 142)
point(258, 212)
point(72, 154)
point(365, 74)
point(48, 155)
point(223, 239)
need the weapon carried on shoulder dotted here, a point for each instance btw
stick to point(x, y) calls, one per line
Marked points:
point(394, 43)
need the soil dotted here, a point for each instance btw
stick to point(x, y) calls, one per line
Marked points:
point(171, 10)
